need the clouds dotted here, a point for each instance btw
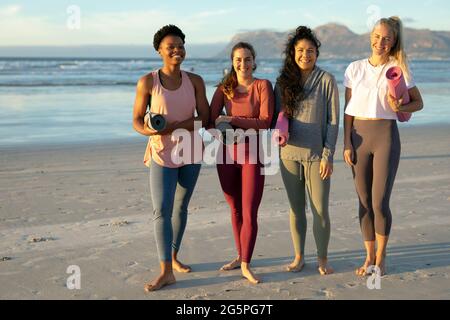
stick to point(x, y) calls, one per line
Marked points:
point(132, 27)
point(409, 20)
point(207, 14)
point(136, 22)
point(19, 29)
point(110, 27)
point(10, 10)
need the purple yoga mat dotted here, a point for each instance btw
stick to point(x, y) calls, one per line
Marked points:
point(398, 89)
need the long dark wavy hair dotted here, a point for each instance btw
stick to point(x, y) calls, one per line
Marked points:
point(229, 81)
point(289, 80)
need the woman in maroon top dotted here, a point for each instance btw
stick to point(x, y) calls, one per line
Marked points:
point(249, 104)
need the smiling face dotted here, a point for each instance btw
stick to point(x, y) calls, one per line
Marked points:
point(382, 40)
point(172, 49)
point(243, 62)
point(305, 54)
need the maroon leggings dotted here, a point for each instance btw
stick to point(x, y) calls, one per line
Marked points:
point(243, 185)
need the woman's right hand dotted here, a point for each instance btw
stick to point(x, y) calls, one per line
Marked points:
point(349, 155)
point(147, 128)
point(223, 118)
point(280, 138)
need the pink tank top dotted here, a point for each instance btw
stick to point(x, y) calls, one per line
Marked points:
point(175, 105)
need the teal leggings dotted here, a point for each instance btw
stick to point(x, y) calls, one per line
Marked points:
point(171, 190)
point(299, 177)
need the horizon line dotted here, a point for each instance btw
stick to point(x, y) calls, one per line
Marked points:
point(205, 43)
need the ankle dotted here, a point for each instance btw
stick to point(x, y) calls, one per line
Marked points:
point(245, 266)
point(166, 274)
point(166, 268)
point(371, 257)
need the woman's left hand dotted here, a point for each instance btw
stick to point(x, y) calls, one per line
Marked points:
point(394, 103)
point(220, 119)
point(326, 169)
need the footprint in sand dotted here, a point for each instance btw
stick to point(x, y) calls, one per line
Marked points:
point(326, 293)
point(284, 291)
point(276, 189)
point(136, 279)
point(120, 223)
point(132, 264)
point(40, 239)
point(197, 208)
point(197, 297)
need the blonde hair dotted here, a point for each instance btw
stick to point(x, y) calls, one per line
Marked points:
point(230, 82)
point(397, 51)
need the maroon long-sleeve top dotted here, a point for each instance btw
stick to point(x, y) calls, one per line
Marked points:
point(251, 110)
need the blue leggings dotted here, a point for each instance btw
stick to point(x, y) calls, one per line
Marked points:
point(171, 190)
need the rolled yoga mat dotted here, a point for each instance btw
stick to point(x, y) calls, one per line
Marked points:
point(281, 136)
point(398, 89)
point(157, 121)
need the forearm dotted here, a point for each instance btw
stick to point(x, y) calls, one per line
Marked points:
point(413, 106)
point(330, 142)
point(332, 121)
point(348, 124)
point(140, 127)
point(188, 124)
point(250, 123)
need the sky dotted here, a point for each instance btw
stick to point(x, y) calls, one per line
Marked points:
point(101, 22)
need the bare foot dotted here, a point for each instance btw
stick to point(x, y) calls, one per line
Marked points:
point(180, 267)
point(161, 281)
point(324, 268)
point(250, 276)
point(235, 264)
point(297, 265)
point(362, 271)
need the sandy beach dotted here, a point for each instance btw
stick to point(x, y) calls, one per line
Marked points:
point(89, 205)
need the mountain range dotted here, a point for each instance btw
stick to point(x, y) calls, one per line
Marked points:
point(338, 41)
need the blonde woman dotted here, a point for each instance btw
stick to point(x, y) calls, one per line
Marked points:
point(371, 137)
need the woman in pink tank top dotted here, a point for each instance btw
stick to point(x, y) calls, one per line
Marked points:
point(174, 164)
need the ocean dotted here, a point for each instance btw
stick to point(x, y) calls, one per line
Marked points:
point(69, 100)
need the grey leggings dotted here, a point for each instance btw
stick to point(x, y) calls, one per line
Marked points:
point(171, 189)
point(298, 176)
point(377, 155)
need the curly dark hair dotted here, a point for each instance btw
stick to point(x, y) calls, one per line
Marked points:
point(290, 76)
point(169, 29)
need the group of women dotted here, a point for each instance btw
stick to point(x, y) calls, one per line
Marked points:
point(304, 106)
